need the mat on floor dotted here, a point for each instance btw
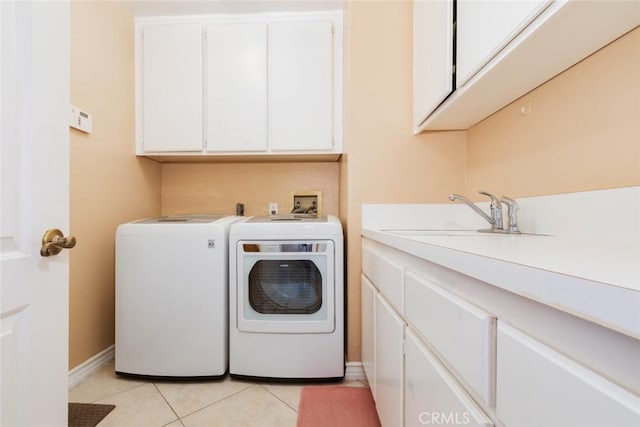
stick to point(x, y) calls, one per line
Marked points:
point(337, 406)
point(87, 414)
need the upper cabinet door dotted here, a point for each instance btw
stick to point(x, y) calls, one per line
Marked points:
point(236, 87)
point(301, 85)
point(432, 56)
point(485, 27)
point(172, 87)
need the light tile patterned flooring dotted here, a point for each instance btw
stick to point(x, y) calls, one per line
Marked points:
point(191, 404)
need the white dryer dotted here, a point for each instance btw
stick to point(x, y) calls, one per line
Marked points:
point(286, 299)
point(171, 296)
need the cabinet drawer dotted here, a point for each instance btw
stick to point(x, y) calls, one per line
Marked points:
point(432, 395)
point(463, 334)
point(537, 386)
point(385, 275)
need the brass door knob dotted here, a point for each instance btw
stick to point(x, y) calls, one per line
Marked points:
point(53, 242)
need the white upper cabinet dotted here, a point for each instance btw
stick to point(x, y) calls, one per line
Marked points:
point(236, 87)
point(504, 49)
point(232, 86)
point(171, 66)
point(301, 85)
point(485, 27)
point(433, 55)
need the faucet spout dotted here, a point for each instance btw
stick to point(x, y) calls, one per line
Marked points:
point(454, 197)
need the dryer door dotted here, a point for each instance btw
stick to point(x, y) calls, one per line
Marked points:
point(286, 287)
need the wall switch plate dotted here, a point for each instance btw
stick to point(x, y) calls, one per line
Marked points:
point(80, 120)
point(273, 208)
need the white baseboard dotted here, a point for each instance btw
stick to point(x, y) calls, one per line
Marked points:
point(91, 365)
point(355, 371)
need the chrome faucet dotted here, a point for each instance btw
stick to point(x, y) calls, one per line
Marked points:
point(512, 211)
point(496, 211)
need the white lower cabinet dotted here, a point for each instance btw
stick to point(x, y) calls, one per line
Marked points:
point(437, 350)
point(459, 331)
point(432, 395)
point(389, 364)
point(386, 275)
point(368, 301)
point(537, 386)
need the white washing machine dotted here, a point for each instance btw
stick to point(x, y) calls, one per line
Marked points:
point(172, 296)
point(286, 298)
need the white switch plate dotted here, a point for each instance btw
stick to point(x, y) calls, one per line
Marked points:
point(273, 208)
point(80, 120)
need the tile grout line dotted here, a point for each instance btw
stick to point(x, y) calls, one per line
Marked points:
point(178, 420)
point(169, 404)
point(277, 397)
point(117, 393)
point(218, 401)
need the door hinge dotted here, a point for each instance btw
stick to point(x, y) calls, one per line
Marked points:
point(404, 346)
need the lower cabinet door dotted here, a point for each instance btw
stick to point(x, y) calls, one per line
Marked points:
point(389, 364)
point(432, 395)
point(537, 386)
point(368, 301)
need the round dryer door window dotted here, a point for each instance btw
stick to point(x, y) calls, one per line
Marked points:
point(285, 287)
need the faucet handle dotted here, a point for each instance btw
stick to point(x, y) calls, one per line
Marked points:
point(512, 210)
point(496, 210)
point(512, 204)
point(494, 200)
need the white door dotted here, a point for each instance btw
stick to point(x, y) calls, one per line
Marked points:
point(236, 87)
point(301, 86)
point(34, 153)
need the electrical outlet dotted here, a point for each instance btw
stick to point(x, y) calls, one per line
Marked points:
point(273, 208)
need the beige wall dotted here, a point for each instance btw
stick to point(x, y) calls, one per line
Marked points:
point(217, 187)
point(583, 132)
point(385, 163)
point(109, 185)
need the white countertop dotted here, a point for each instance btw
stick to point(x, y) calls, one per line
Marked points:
point(594, 276)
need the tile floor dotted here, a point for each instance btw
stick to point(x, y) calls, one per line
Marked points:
point(191, 404)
